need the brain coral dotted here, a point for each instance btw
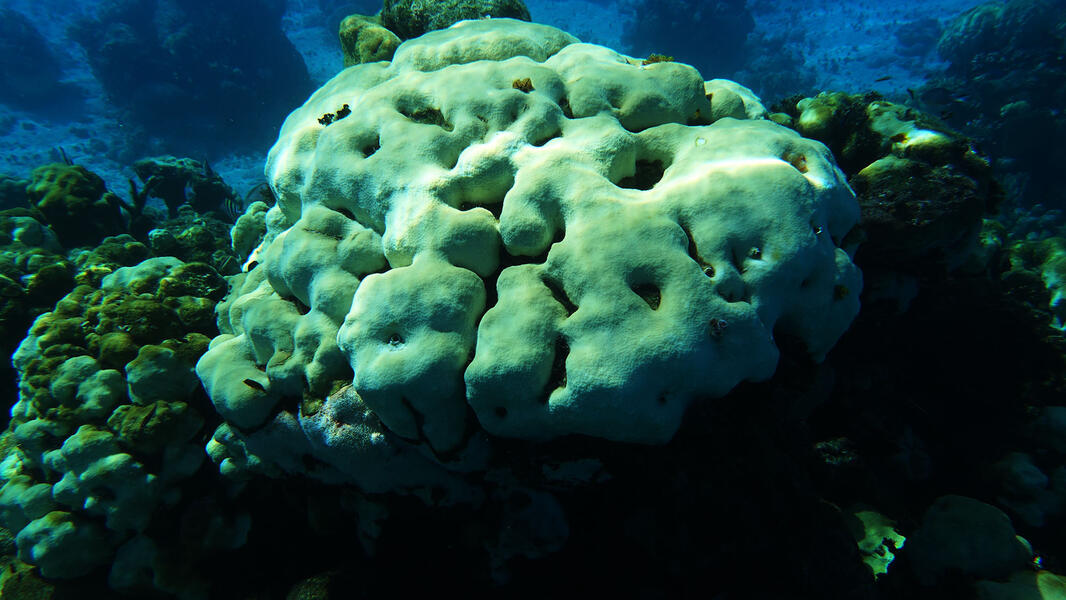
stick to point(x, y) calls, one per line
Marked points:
point(543, 234)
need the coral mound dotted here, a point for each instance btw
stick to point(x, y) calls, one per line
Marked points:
point(547, 235)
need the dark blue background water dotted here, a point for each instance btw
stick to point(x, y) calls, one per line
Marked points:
point(111, 82)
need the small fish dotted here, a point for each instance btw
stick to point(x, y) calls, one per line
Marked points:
point(880, 79)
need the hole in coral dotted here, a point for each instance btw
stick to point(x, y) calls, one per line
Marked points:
point(371, 148)
point(797, 160)
point(650, 294)
point(646, 175)
point(708, 270)
point(501, 412)
point(347, 213)
point(716, 327)
point(395, 340)
point(560, 295)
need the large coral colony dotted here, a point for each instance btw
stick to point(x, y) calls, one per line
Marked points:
point(531, 301)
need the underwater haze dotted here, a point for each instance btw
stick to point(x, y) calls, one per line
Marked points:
point(532, 298)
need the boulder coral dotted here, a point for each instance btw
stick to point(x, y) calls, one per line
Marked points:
point(519, 234)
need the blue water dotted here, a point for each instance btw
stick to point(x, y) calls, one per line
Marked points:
point(852, 46)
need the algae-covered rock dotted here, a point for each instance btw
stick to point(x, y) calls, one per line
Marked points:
point(922, 188)
point(411, 18)
point(105, 429)
point(1045, 259)
point(34, 274)
point(76, 203)
point(193, 237)
point(364, 39)
point(63, 546)
point(178, 181)
point(13, 192)
point(967, 535)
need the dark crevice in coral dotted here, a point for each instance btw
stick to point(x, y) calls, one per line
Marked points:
point(371, 148)
point(445, 455)
point(557, 378)
point(301, 308)
point(698, 119)
point(420, 421)
point(496, 208)
point(347, 213)
point(560, 295)
point(564, 104)
point(555, 134)
point(736, 259)
point(255, 385)
point(694, 253)
point(451, 161)
point(646, 175)
point(428, 116)
point(492, 296)
point(649, 293)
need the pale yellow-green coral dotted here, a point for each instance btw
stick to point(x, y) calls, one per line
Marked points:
point(547, 235)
